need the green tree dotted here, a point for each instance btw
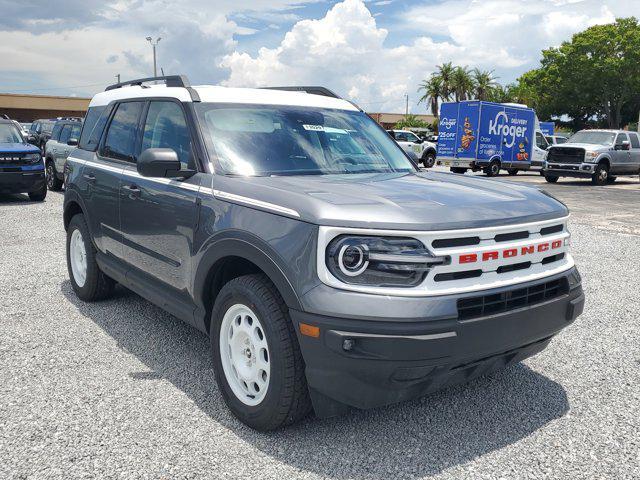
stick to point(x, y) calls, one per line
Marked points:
point(433, 92)
point(462, 84)
point(445, 72)
point(594, 77)
point(411, 121)
point(484, 82)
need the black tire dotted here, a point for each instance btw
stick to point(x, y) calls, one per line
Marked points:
point(429, 160)
point(458, 170)
point(287, 399)
point(493, 169)
point(53, 182)
point(97, 285)
point(600, 175)
point(512, 171)
point(611, 179)
point(38, 195)
point(551, 178)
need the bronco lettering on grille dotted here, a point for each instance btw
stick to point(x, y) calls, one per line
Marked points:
point(509, 252)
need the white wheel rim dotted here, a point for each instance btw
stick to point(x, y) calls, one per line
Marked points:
point(245, 354)
point(78, 258)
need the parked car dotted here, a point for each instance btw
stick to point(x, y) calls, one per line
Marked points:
point(284, 225)
point(601, 155)
point(420, 150)
point(40, 132)
point(21, 167)
point(26, 127)
point(556, 139)
point(490, 136)
point(64, 138)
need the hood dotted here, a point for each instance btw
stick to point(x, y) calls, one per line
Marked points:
point(18, 148)
point(414, 201)
point(586, 146)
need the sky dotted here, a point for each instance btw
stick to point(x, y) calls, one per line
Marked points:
point(373, 52)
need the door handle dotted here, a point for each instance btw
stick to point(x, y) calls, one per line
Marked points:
point(89, 177)
point(133, 190)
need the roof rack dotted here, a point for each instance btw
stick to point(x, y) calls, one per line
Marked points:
point(311, 89)
point(169, 80)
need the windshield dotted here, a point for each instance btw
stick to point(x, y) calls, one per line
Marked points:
point(265, 140)
point(594, 138)
point(9, 133)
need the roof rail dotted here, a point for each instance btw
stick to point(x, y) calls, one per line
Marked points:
point(169, 80)
point(311, 89)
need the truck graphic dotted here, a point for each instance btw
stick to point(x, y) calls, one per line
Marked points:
point(486, 136)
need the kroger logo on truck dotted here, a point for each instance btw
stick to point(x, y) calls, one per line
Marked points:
point(500, 126)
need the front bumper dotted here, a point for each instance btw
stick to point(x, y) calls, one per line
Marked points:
point(364, 364)
point(579, 170)
point(24, 181)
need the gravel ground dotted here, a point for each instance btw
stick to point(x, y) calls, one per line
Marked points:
point(121, 389)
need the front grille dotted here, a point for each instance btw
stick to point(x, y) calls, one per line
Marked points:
point(565, 155)
point(484, 305)
point(13, 159)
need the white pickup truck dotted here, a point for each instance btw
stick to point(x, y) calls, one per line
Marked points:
point(420, 150)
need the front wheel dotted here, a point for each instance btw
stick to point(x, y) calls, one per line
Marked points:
point(429, 160)
point(53, 182)
point(87, 280)
point(493, 169)
point(258, 364)
point(600, 175)
point(38, 195)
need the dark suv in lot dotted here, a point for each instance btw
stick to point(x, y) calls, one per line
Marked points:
point(64, 138)
point(326, 269)
point(21, 167)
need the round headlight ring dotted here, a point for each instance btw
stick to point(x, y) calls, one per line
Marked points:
point(353, 259)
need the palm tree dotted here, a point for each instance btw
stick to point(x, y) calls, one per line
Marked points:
point(433, 92)
point(445, 72)
point(484, 82)
point(462, 83)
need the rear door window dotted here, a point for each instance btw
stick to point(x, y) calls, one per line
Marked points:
point(635, 143)
point(121, 135)
point(75, 131)
point(65, 133)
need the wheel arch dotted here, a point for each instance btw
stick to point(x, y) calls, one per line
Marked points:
point(233, 256)
point(72, 206)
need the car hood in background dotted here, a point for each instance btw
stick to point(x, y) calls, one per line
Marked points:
point(414, 201)
point(18, 148)
point(586, 146)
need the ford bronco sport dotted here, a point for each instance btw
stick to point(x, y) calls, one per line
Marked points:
point(327, 270)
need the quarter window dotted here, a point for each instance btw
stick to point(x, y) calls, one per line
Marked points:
point(93, 127)
point(166, 127)
point(121, 136)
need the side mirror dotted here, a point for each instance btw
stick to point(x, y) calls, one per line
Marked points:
point(73, 142)
point(161, 162)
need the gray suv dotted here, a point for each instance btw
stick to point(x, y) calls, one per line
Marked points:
point(601, 155)
point(64, 138)
point(326, 269)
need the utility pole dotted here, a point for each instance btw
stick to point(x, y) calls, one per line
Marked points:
point(153, 45)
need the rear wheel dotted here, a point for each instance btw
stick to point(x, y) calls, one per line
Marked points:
point(258, 365)
point(53, 182)
point(512, 171)
point(87, 280)
point(600, 175)
point(458, 170)
point(493, 169)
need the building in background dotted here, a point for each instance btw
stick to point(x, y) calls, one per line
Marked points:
point(389, 120)
point(27, 108)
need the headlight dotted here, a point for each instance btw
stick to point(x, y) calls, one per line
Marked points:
point(32, 157)
point(591, 156)
point(379, 261)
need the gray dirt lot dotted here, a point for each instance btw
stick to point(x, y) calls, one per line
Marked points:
point(120, 389)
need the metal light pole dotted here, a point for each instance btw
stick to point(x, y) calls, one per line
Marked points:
point(153, 45)
point(406, 108)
